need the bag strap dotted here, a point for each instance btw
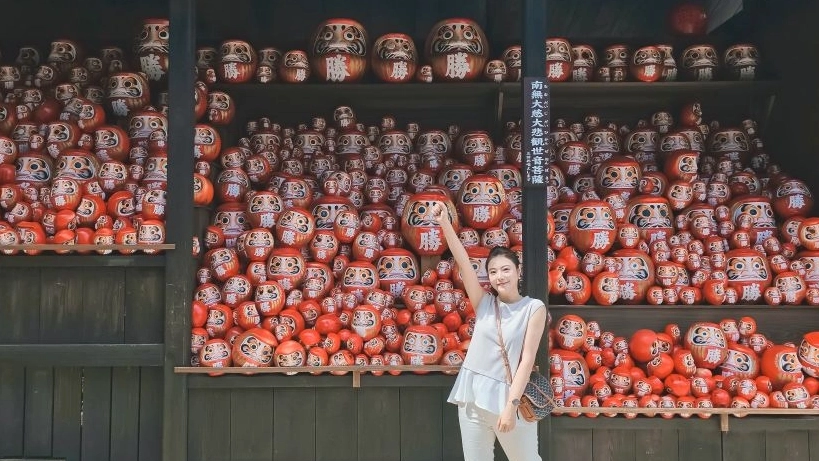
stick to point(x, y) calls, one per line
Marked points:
point(502, 345)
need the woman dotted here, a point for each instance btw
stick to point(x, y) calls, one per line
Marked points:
point(487, 404)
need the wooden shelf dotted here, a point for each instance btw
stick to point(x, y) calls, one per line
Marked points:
point(605, 91)
point(625, 102)
point(304, 380)
point(597, 91)
point(678, 307)
point(777, 323)
point(490, 103)
point(92, 260)
point(83, 355)
point(748, 423)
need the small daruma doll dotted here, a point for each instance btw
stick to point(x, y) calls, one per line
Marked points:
point(422, 345)
point(748, 272)
point(792, 198)
point(254, 348)
point(652, 216)
point(457, 49)
point(127, 92)
point(397, 269)
point(358, 278)
point(237, 63)
point(636, 274)
point(339, 51)
point(571, 332)
point(286, 266)
point(394, 58)
point(418, 225)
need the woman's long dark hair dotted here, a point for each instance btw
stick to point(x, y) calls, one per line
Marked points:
point(505, 252)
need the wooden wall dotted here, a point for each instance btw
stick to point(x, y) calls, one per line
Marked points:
point(81, 305)
point(81, 413)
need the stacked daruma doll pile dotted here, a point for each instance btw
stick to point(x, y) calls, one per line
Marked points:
point(708, 365)
point(83, 153)
point(676, 211)
point(323, 250)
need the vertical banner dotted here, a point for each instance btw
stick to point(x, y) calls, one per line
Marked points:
point(535, 131)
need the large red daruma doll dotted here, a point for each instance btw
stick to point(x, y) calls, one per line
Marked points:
point(339, 51)
point(418, 226)
point(482, 201)
point(575, 373)
point(457, 49)
point(592, 226)
point(707, 344)
point(809, 354)
point(781, 364)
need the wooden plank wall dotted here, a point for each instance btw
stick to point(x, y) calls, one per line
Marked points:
point(370, 423)
point(79, 306)
point(403, 424)
point(81, 414)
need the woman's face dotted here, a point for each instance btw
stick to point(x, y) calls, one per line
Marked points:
point(503, 275)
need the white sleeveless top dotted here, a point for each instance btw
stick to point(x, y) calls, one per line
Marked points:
point(482, 377)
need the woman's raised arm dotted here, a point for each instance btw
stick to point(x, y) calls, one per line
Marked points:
point(474, 290)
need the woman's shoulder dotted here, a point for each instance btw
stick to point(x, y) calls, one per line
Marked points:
point(487, 300)
point(534, 304)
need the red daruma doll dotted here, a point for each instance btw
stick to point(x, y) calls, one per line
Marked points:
point(418, 224)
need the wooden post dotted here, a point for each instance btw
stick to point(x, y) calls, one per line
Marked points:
point(535, 129)
point(179, 270)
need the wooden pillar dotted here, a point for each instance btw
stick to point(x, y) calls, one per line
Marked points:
point(535, 95)
point(179, 270)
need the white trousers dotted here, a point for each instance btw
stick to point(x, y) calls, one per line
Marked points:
point(478, 432)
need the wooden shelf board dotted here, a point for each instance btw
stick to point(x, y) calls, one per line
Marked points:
point(278, 378)
point(748, 423)
point(512, 90)
point(699, 307)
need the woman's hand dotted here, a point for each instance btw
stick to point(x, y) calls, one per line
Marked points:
point(439, 214)
point(507, 419)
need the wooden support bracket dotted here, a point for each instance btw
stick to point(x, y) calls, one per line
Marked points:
point(723, 422)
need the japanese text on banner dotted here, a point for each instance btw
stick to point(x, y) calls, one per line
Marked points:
point(536, 129)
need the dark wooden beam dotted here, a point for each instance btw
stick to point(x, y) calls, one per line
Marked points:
point(82, 355)
point(83, 261)
point(534, 190)
point(180, 265)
